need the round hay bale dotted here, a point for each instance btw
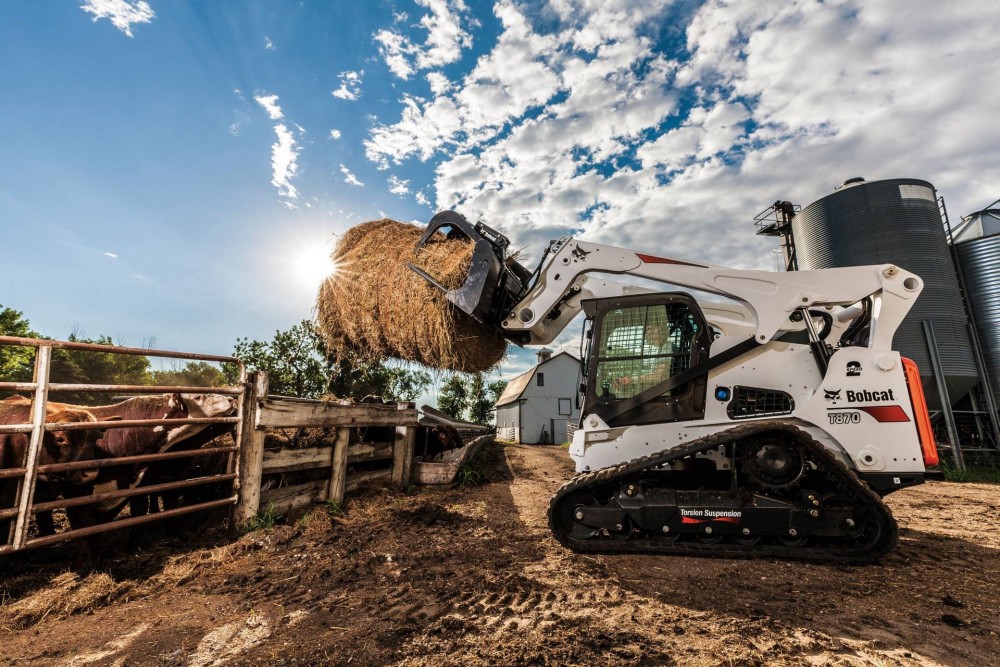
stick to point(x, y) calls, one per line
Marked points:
point(373, 306)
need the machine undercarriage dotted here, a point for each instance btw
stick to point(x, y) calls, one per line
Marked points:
point(783, 495)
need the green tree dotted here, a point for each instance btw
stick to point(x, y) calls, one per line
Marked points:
point(96, 367)
point(453, 396)
point(358, 378)
point(295, 361)
point(298, 364)
point(192, 374)
point(482, 397)
point(480, 405)
point(106, 367)
point(16, 363)
point(496, 389)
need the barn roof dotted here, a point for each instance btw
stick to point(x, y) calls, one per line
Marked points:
point(517, 386)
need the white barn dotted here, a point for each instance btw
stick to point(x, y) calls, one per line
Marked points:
point(537, 405)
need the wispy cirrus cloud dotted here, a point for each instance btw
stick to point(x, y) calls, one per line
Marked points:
point(121, 13)
point(350, 86)
point(284, 165)
point(270, 105)
point(284, 151)
point(349, 177)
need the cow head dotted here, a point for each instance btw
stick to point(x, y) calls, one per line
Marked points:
point(198, 406)
point(208, 405)
point(70, 446)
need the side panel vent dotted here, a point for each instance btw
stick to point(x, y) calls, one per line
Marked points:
point(751, 402)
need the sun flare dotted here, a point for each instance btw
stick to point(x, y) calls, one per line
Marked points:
point(312, 265)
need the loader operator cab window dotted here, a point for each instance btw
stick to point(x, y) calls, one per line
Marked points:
point(640, 346)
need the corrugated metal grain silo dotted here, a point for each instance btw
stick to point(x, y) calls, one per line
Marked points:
point(897, 221)
point(979, 255)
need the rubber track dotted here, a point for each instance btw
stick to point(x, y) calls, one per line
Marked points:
point(865, 499)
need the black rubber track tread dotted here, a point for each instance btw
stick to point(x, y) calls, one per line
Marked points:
point(865, 499)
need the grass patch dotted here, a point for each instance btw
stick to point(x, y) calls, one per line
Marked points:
point(977, 473)
point(334, 507)
point(476, 472)
point(263, 520)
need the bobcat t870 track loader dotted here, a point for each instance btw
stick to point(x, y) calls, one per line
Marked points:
point(769, 425)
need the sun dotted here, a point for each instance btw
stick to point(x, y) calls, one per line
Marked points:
point(312, 264)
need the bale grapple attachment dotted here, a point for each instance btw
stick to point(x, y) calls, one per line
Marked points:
point(495, 282)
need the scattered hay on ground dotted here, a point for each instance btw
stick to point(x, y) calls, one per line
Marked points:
point(375, 307)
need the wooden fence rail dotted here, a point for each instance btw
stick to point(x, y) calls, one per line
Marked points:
point(261, 412)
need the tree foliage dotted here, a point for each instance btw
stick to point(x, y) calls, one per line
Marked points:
point(480, 405)
point(295, 361)
point(16, 363)
point(496, 389)
point(192, 374)
point(356, 378)
point(69, 366)
point(470, 394)
point(453, 396)
point(298, 364)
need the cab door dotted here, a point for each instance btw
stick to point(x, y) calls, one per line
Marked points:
point(638, 344)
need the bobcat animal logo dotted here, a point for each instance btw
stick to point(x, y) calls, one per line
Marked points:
point(832, 394)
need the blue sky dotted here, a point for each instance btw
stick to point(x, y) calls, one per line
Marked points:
point(175, 170)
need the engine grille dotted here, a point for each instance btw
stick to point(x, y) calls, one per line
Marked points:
point(750, 402)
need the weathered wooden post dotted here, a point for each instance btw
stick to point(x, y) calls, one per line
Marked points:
point(402, 451)
point(251, 452)
point(338, 465)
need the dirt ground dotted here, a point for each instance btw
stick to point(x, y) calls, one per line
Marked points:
point(471, 577)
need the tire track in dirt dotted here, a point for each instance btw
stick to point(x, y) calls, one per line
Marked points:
point(614, 592)
point(470, 576)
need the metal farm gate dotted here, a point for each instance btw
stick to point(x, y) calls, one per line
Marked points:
point(26, 474)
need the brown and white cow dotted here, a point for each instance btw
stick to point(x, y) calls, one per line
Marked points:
point(139, 440)
point(57, 447)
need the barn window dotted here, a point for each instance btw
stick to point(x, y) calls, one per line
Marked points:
point(541, 379)
point(565, 406)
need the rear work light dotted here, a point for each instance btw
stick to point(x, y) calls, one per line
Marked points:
point(920, 414)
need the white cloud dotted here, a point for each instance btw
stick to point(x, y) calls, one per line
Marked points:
point(350, 178)
point(235, 129)
point(398, 186)
point(350, 86)
point(448, 25)
point(576, 124)
point(335, 134)
point(439, 83)
point(422, 199)
point(284, 151)
point(112, 255)
point(121, 13)
point(270, 105)
point(284, 156)
point(395, 49)
point(268, 44)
